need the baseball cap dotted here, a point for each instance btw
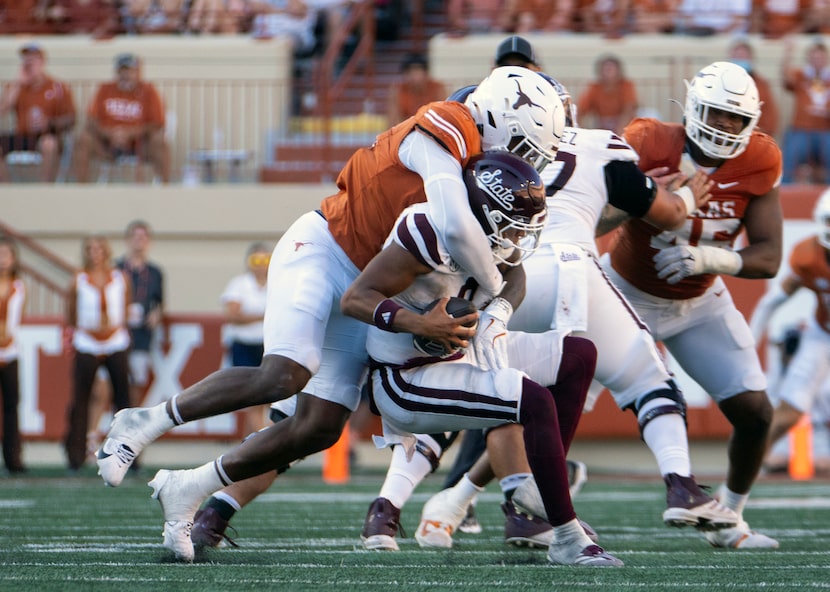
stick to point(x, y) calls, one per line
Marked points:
point(126, 60)
point(518, 46)
point(31, 49)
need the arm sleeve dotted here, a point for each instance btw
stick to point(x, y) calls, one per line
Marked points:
point(628, 188)
point(454, 220)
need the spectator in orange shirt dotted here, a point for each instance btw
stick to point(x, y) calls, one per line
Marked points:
point(807, 141)
point(653, 16)
point(610, 102)
point(414, 89)
point(741, 53)
point(44, 110)
point(125, 117)
point(775, 19)
point(527, 16)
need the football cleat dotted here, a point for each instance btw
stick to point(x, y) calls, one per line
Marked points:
point(470, 524)
point(577, 476)
point(381, 525)
point(740, 537)
point(522, 529)
point(579, 556)
point(689, 505)
point(440, 518)
point(130, 432)
point(209, 530)
point(180, 497)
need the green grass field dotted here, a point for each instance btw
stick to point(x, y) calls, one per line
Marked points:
point(60, 533)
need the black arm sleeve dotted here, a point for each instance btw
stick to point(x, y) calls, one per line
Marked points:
point(629, 189)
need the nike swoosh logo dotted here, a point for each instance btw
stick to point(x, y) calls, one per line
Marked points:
point(727, 185)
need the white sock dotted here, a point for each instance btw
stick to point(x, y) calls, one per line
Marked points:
point(160, 421)
point(404, 476)
point(665, 435)
point(511, 482)
point(571, 532)
point(733, 501)
point(464, 492)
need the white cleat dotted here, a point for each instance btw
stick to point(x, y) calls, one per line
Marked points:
point(575, 555)
point(130, 432)
point(740, 537)
point(527, 498)
point(180, 498)
point(577, 476)
point(440, 518)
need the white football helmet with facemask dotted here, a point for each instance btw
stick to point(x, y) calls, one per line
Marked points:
point(727, 87)
point(517, 110)
point(821, 216)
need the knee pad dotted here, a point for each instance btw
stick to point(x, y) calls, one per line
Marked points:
point(674, 402)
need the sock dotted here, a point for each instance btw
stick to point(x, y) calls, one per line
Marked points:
point(224, 505)
point(665, 435)
point(733, 501)
point(464, 492)
point(404, 476)
point(545, 453)
point(173, 413)
point(569, 533)
point(159, 420)
point(576, 371)
point(511, 482)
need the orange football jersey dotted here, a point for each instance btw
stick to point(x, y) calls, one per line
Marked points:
point(374, 186)
point(753, 173)
point(808, 261)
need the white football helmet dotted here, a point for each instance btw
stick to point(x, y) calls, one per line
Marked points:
point(728, 87)
point(517, 110)
point(567, 101)
point(821, 216)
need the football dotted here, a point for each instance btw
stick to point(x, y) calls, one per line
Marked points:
point(456, 307)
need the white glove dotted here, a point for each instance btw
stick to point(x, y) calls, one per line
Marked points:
point(677, 263)
point(490, 341)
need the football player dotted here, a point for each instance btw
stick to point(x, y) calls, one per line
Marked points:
point(672, 277)
point(545, 388)
point(567, 290)
point(802, 384)
point(310, 347)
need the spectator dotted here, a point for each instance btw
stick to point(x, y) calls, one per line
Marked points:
point(775, 19)
point(125, 117)
point(44, 111)
point(244, 301)
point(98, 18)
point(741, 53)
point(154, 16)
point(217, 16)
point(12, 305)
point(96, 324)
point(466, 17)
point(527, 16)
point(415, 88)
point(602, 16)
point(146, 310)
point(653, 16)
point(609, 102)
point(711, 17)
point(807, 140)
point(285, 18)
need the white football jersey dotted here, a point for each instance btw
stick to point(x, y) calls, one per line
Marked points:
point(415, 232)
point(577, 191)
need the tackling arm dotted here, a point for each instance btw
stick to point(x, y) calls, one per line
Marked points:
point(451, 213)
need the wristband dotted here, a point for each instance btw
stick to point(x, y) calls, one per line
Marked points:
point(688, 198)
point(500, 309)
point(384, 314)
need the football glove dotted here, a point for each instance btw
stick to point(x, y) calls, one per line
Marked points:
point(674, 264)
point(490, 341)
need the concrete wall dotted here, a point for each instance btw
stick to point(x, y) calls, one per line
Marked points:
point(201, 233)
